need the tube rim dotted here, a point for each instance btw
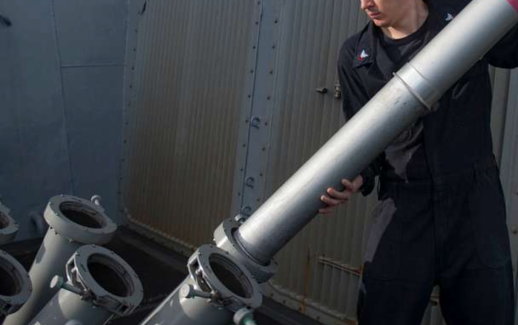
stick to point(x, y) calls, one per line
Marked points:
point(12, 303)
point(80, 275)
point(74, 231)
point(201, 260)
point(8, 232)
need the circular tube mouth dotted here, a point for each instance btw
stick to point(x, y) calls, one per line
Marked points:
point(110, 275)
point(11, 280)
point(82, 215)
point(231, 276)
point(4, 221)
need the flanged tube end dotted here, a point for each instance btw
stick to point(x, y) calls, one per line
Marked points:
point(225, 239)
point(79, 220)
point(110, 282)
point(15, 284)
point(8, 227)
point(223, 279)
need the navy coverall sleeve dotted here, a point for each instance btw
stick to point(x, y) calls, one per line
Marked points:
point(354, 97)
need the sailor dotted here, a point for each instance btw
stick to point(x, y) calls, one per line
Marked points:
point(441, 218)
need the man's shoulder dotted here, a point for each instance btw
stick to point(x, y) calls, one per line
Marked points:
point(455, 6)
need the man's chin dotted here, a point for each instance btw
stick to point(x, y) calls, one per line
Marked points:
point(380, 23)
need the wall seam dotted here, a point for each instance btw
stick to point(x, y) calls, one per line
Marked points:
point(62, 88)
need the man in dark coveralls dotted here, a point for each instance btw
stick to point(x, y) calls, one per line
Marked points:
point(441, 216)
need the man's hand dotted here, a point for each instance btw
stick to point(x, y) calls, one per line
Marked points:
point(335, 198)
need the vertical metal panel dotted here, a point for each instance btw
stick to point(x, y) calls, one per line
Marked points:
point(93, 101)
point(91, 32)
point(35, 163)
point(185, 110)
point(90, 45)
point(38, 94)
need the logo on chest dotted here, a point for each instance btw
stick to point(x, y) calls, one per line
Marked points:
point(363, 55)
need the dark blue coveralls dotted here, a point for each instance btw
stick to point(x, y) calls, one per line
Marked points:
point(441, 217)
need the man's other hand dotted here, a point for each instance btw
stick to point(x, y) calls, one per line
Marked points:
point(335, 198)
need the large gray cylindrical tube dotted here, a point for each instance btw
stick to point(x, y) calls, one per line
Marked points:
point(8, 227)
point(399, 104)
point(73, 223)
point(100, 285)
point(15, 285)
point(217, 289)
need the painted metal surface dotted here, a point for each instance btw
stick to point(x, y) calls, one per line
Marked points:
point(35, 164)
point(91, 39)
point(327, 254)
point(191, 86)
point(61, 91)
point(91, 33)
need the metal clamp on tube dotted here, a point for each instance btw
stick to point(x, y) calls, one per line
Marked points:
point(218, 288)
point(222, 281)
point(100, 284)
point(224, 239)
point(15, 284)
point(418, 86)
point(8, 227)
point(73, 222)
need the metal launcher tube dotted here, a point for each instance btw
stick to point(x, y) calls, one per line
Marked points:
point(73, 222)
point(218, 291)
point(100, 285)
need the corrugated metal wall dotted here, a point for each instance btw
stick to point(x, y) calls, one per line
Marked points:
point(172, 164)
point(327, 254)
point(187, 100)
